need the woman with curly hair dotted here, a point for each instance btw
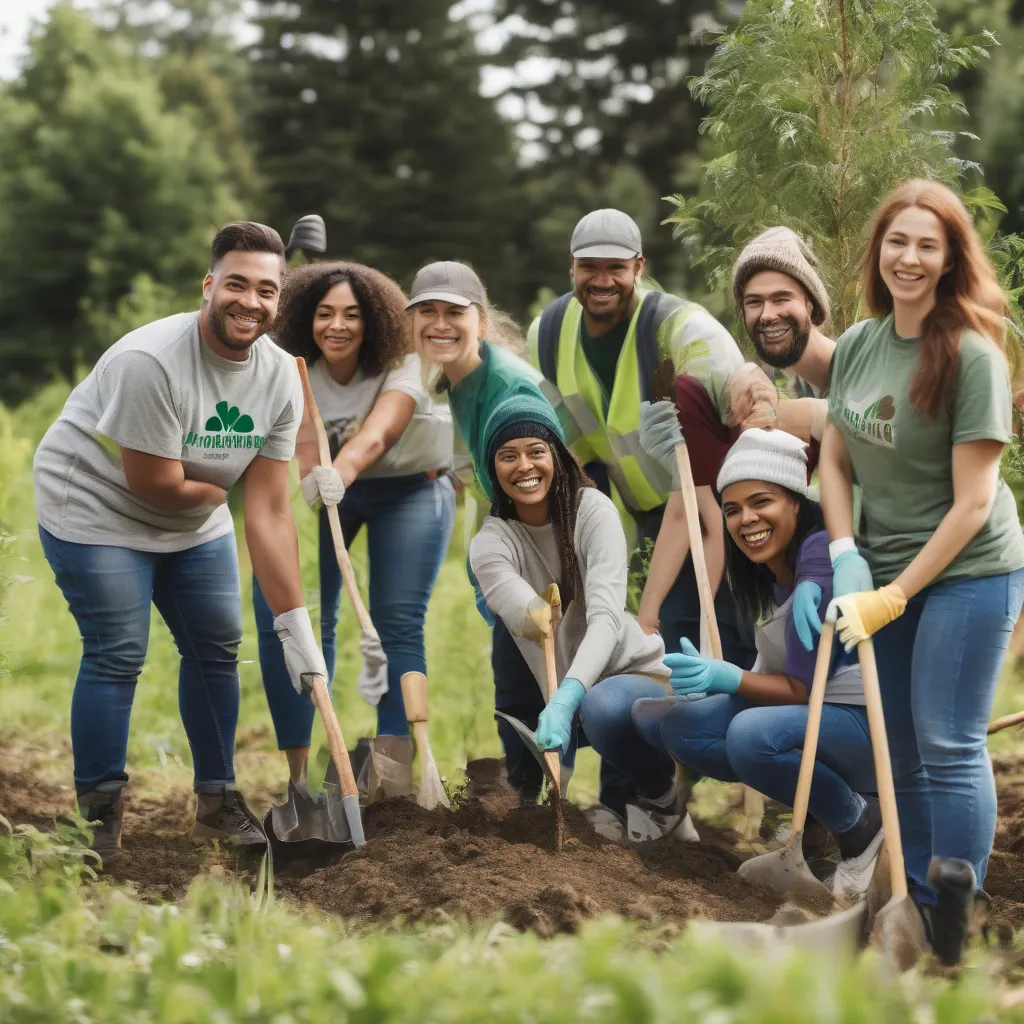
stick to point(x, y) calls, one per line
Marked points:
point(392, 449)
point(919, 414)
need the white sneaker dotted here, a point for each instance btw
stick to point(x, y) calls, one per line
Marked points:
point(854, 874)
point(644, 823)
point(606, 822)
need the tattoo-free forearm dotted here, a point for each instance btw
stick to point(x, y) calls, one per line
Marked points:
point(762, 688)
point(670, 550)
point(162, 483)
point(835, 476)
point(274, 552)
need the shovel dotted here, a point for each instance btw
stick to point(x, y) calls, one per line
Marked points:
point(785, 870)
point(375, 662)
point(414, 695)
point(303, 829)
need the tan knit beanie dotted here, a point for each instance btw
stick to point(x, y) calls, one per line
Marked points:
point(785, 251)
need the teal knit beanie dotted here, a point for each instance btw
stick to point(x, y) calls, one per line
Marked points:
point(510, 418)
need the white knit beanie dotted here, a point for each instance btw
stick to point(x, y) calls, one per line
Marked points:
point(770, 455)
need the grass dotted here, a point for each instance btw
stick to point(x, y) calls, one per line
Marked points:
point(74, 952)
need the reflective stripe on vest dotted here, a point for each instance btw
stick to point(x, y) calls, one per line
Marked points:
point(614, 437)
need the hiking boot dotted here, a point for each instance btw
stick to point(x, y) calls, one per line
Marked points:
point(954, 883)
point(665, 816)
point(104, 810)
point(605, 822)
point(230, 822)
point(858, 849)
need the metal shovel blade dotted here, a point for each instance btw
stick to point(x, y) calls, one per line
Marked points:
point(530, 740)
point(897, 929)
point(785, 870)
point(306, 833)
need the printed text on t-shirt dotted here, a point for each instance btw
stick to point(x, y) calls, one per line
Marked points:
point(871, 420)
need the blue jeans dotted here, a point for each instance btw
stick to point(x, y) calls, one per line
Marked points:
point(409, 522)
point(109, 591)
point(938, 665)
point(730, 739)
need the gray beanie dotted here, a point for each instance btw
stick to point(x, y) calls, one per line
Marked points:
point(770, 455)
point(785, 251)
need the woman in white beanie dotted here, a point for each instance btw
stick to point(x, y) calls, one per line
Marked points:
point(749, 727)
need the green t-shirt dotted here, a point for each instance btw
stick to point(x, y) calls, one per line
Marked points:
point(501, 375)
point(903, 461)
point(602, 353)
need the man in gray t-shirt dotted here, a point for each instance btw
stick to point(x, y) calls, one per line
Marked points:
point(131, 489)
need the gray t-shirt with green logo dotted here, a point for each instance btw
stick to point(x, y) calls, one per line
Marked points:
point(903, 461)
point(162, 390)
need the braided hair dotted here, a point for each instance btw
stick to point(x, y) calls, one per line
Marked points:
point(567, 480)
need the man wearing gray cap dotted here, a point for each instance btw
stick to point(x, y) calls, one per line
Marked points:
point(599, 348)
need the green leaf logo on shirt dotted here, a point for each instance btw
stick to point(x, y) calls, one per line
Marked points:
point(229, 419)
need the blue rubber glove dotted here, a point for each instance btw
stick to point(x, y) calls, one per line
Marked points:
point(693, 674)
point(806, 602)
point(554, 726)
point(850, 574)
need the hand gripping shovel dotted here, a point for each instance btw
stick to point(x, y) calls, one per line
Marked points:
point(414, 695)
point(374, 675)
point(303, 829)
point(786, 870)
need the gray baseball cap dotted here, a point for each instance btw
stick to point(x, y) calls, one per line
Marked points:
point(447, 282)
point(606, 234)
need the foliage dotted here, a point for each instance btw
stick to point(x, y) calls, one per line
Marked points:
point(99, 183)
point(818, 109)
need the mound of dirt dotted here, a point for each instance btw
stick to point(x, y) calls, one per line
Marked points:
point(477, 865)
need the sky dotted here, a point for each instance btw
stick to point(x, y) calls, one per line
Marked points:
point(15, 18)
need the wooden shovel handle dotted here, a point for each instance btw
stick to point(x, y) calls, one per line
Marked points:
point(551, 757)
point(700, 566)
point(814, 705)
point(335, 740)
point(414, 697)
point(998, 724)
point(340, 551)
point(883, 767)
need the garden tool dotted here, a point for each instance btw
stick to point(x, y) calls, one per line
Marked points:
point(785, 869)
point(999, 724)
point(374, 675)
point(304, 829)
point(389, 768)
point(898, 929)
point(414, 695)
point(309, 235)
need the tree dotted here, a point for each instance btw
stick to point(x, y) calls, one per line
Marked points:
point(370, 113)
point(818, 108)
point(108, 202)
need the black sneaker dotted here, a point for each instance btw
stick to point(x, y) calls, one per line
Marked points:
point(954, 883)
point(104, 811)
point(231, 822)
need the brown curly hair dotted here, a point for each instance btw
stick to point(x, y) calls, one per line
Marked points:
point(386, 334)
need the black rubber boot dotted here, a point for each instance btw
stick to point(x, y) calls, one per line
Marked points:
point(954, 883)
point(103, 808)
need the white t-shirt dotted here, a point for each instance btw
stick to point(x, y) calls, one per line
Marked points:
point(425, 444)
point(163, 391)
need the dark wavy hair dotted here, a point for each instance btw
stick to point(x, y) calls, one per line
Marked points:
point(751, 582)
point(386, 336)
point(563, 503)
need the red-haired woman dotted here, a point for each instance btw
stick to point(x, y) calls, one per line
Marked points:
point(919, 413)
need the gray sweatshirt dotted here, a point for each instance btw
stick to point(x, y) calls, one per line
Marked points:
point(596, 638)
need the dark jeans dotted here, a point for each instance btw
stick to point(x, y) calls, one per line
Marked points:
point(109, 591)
point(409, 522)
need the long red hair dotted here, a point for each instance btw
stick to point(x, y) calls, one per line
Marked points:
point(967, 297)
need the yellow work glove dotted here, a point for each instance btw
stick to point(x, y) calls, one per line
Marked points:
point(863, 614)
point(542, 614)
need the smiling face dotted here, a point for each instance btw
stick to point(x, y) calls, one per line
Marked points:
point(338, 325)
point(914, 255)
point(777, 312)
point(761, 519)
point(525, 469)
point(605, 287)
point(241, 295)
point(444, 332)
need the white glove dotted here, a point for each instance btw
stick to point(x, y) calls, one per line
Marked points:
point(302, 655)
point(322, 486)
point(373, 676)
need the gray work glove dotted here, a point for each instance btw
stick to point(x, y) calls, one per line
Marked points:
point(373, 676)
point(302, 655)
point(659, 434)
point(322, 486)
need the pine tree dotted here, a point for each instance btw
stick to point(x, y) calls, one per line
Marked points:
point(818, 108)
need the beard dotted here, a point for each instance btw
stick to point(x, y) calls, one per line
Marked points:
point(217, 317)
point(782, 359)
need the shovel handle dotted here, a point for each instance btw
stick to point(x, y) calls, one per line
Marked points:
point(998, 724)
point(551, 758)
point(414, 697)
point(340, 551)
point(700, 566)
point(335, 740)
point(883, 767)
point(814, 705)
